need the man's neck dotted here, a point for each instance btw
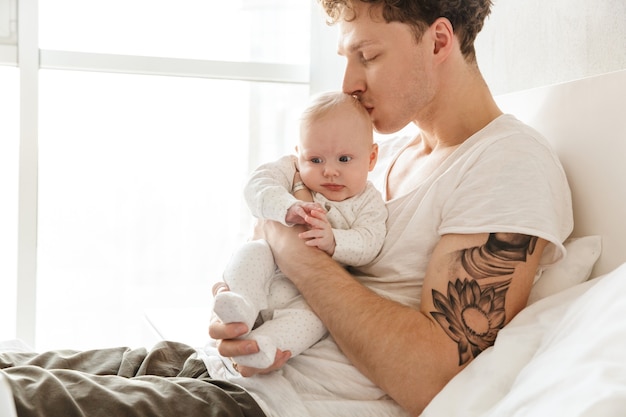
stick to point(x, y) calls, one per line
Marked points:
point(463, 107)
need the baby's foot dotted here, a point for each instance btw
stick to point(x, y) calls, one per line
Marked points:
point(233, 308)
point(263, 358)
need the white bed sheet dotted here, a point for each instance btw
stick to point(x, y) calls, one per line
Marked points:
point(563, 356)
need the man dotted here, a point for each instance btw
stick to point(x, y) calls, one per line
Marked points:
point(476, 202)
point(467, 230)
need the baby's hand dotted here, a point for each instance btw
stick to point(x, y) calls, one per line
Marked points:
point(320, 233)
point(297, 213)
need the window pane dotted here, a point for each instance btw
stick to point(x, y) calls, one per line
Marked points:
point(140, 194)
point(8, 20)
point(234, 30)
point(9, 156)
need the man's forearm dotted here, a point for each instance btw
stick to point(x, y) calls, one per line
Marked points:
point(399, 348)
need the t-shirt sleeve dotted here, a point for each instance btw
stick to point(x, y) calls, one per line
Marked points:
point(517, 185)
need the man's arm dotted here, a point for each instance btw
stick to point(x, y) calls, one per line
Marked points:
point(474, 285)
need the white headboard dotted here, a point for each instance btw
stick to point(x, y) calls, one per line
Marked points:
point(585, 120)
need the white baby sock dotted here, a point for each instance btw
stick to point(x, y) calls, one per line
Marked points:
point(263, 358)
point(233, 308)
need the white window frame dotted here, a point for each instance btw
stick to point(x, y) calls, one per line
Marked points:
point(322, 74)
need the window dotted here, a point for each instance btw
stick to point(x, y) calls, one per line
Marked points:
point(9, 142)
point(8, 32)
point(274, 31)
point(8, 22)
point(140, 194)
point(151, 114)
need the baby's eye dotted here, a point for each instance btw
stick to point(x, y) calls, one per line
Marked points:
point(316, 160)
point(345, 158)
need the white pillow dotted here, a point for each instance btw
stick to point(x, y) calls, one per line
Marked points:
point(574, 268)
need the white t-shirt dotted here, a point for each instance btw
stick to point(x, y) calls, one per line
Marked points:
point(505, 178)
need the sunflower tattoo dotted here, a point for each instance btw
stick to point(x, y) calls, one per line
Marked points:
point(472, 315)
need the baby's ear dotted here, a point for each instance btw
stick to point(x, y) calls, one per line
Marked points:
point(373, 156)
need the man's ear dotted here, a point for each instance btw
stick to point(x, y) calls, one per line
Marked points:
point(443, 34)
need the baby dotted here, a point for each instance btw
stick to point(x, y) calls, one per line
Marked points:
point(345, 217)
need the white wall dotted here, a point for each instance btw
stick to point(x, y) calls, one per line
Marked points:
point(524, 44)
point(326, 65)
point(532, 43)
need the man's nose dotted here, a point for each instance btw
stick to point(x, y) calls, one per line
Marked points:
point(353, 81)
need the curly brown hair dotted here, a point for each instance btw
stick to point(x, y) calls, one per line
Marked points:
point(466, 16)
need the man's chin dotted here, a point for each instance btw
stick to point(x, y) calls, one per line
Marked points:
point(387, 129)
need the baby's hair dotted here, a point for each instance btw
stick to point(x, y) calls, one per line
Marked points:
point(324, 103)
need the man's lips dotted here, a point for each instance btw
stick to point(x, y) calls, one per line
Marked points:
point(368, 106)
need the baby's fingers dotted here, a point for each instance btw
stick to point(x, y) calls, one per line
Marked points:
point(314, 222)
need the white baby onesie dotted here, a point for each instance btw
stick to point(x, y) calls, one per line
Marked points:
point(257, 286)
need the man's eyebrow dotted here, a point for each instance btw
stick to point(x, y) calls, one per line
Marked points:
point(355, 46)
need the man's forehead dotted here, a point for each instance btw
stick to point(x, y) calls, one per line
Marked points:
point(360, 32)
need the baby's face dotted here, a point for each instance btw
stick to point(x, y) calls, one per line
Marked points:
point(336, 154)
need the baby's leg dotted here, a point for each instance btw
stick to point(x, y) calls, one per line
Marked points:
point(294, 328)
point(248, 275)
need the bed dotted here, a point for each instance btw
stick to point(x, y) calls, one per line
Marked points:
point(565, 354)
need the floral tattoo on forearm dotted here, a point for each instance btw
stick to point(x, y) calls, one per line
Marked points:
point(471, 314)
